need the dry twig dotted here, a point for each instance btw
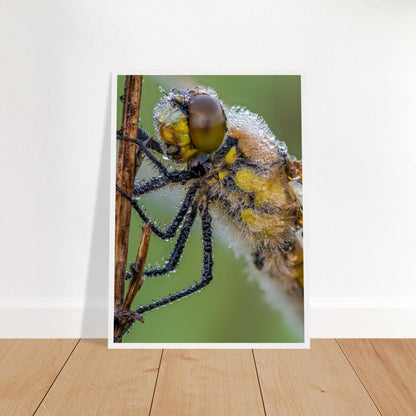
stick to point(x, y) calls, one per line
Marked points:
point(137, 268)
point(128, 163)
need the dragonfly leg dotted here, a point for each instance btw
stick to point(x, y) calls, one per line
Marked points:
point(206, 273)
point(174, 225)
point(143, 136)
point(149, 186)
point(176, 253)
point(172, 176)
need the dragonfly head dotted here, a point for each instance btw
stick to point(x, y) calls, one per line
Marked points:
point(191, 123)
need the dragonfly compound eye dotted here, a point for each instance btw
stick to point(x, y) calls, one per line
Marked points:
point(207, 123)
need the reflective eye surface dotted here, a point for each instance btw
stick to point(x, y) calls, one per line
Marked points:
point(207, 124)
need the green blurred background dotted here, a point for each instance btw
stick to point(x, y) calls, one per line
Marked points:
point(233, 307)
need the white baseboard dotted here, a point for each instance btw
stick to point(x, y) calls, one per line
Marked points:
point(53, 317)
point(87, 318)
point(363, 317)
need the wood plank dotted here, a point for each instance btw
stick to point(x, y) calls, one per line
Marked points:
point(318, 381)
point(28, 367)
point(99, 381)
point(207, 382)
point(387, 368)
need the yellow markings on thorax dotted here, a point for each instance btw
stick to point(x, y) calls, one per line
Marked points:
point(248, 180)
point(222, 174)
point(231, 156)
point(267, 190)
point(265, 224)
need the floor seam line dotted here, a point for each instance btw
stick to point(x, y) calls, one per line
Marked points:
point(157, 378)
point(56, 377)
point(258, 381)
point(359, 378)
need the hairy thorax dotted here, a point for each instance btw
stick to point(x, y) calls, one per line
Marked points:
point(250, 184)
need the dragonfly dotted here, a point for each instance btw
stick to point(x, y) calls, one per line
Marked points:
point(230, 162)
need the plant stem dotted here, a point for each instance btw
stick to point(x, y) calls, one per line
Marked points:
point(128, 162)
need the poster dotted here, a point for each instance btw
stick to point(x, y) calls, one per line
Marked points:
point(215, 171)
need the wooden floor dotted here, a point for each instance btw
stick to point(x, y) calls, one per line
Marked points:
point(83, 377)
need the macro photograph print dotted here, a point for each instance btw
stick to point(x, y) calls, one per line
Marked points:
point(207, 231)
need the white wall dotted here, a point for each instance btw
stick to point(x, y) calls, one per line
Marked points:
point(359, 61)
